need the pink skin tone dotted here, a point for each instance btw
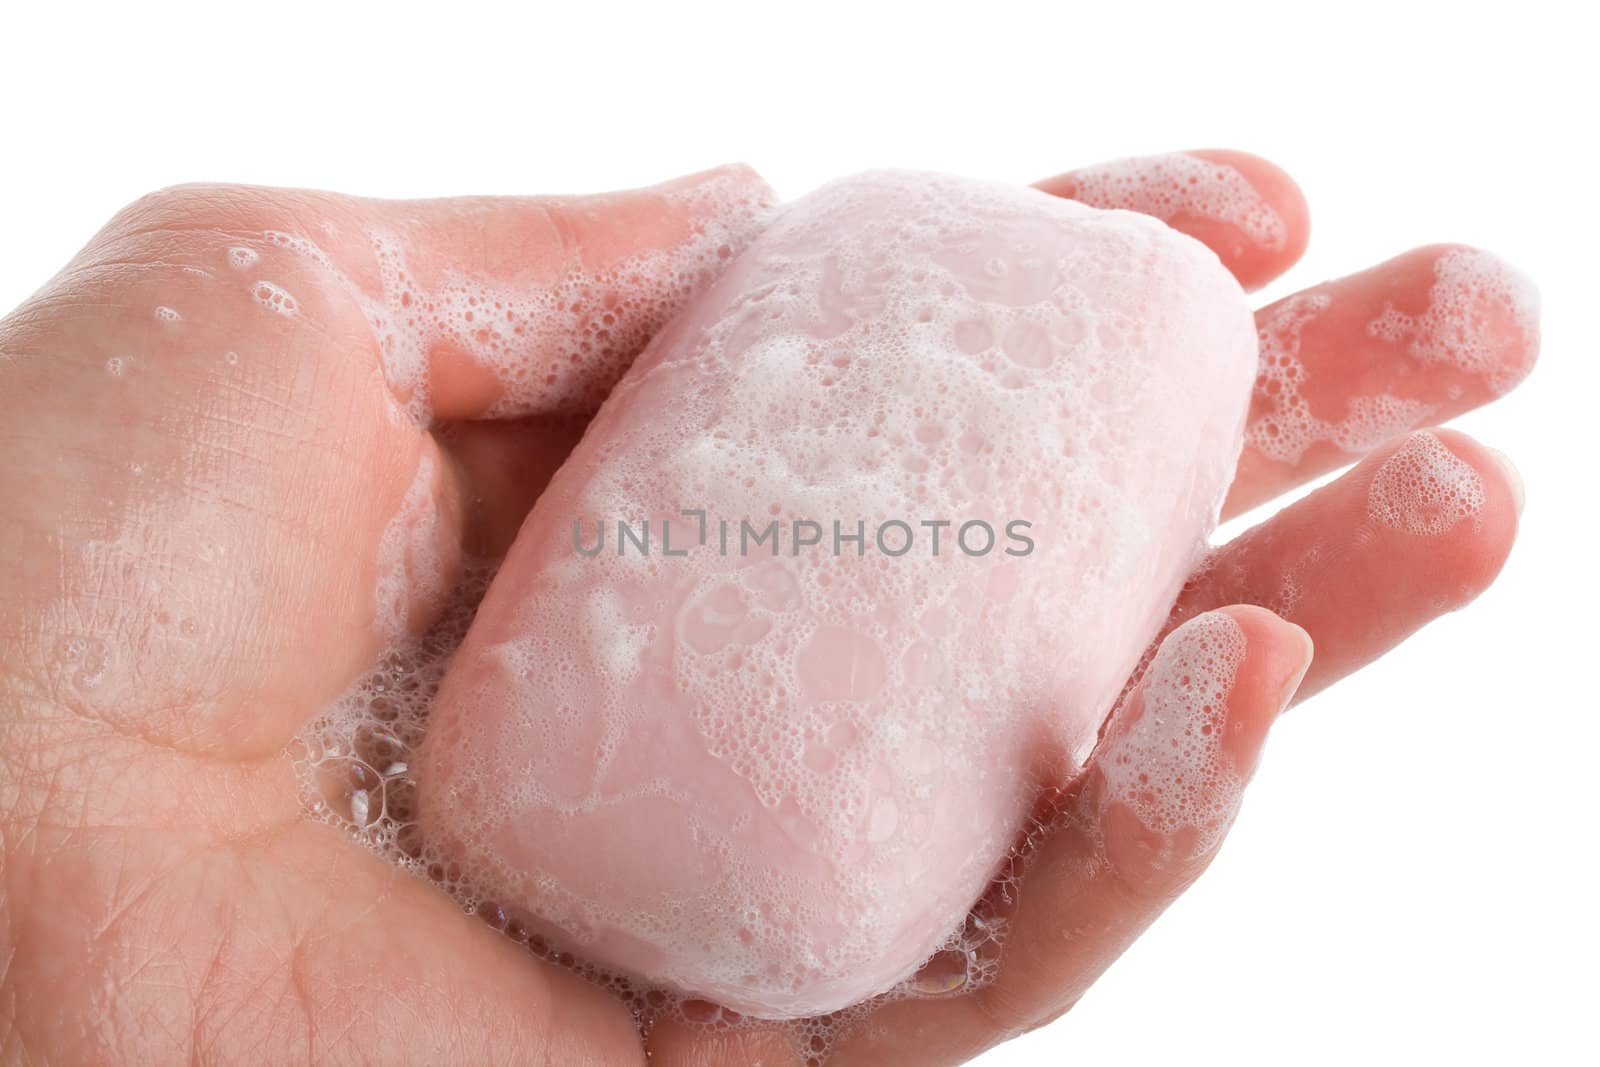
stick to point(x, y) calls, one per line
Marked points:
point(162, 896)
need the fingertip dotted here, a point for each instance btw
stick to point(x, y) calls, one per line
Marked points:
point(1470, 314)
point(1448, 505)
point(1181, 748)
point(1513, 477)
point(739, 178)
point(1257, 263)
point(1274, 659)
point(1245, 209)
point(1362, 360)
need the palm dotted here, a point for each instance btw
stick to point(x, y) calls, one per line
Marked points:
point(204, 506)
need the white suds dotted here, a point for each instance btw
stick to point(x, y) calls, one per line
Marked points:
point(275, 299)
point(1180, 184)
point(1480, 311)
point(355, 762)
point(1424, 488)
point(1282, 427)
point(166, 314)
point(1168, 764)
point(242, 258)
point(555, 347)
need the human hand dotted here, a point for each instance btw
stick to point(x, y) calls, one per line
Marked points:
point(204, 499)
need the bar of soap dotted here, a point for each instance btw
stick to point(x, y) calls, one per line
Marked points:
point(778, 781)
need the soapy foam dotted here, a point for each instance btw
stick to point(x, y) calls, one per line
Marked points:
point(923, 431)
point(883, 377)
point(1475, 297)
point(1284, 427)
point(275, 299)
point(1166, 186)
point(555, 348)
point(1168, 765)
point(1424, 489)
point(357, 764)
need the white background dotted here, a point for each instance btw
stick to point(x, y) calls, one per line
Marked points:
point(1413, 874)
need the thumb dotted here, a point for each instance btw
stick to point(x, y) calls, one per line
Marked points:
point(249, 356)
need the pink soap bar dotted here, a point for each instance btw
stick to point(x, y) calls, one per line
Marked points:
point(779, 781)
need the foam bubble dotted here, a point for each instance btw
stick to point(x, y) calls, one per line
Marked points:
point(241, 258)
point(1424, 488)
point(355, 758)
point(1166, 186)
point(356, 764)
point(166, 314)
point(275, 299)
point(1283, 427)
point(1168, 765)
point(1481, 310)
point(555, 347)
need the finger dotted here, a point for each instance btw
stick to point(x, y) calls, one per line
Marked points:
point(1358, 361)
point(1245, 209)
point(1417, 529)
point(1138, 827)
point(510, 306)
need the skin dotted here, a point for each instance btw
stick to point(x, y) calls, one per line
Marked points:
point(161, 896)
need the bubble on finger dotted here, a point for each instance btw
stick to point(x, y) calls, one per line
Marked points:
point(1482, 318)
point(241, 257)
point(1282, 424)
point(1424, 489)
point(1167, 186)
point(1166, 761)
point(275, 299)
point(555, 346)
point(167, 314)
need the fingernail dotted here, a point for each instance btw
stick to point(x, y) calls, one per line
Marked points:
point(1519, 495)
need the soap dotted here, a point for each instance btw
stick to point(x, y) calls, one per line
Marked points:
point(851, 563)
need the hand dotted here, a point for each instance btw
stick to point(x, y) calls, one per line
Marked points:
point(214, 438)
